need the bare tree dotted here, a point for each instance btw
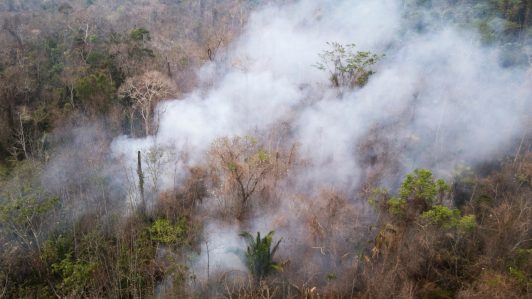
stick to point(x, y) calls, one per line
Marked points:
point(20, 138)
point(244, 166)
point(242, 163)
point(146, 91)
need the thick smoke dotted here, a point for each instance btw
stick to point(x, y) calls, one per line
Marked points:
point(438, 99)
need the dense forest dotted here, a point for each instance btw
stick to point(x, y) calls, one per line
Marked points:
point(266, 149)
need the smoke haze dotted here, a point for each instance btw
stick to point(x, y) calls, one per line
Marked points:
point(439, 99)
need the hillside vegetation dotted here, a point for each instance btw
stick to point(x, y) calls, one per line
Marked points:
point(244, 216)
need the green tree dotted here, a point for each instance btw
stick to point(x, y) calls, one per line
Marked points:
point(95, 91)
point(138, 39)
point(418, 192)
point(420, 188)
point(259, 255)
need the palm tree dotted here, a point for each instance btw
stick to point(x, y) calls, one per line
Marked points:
point(259, 254)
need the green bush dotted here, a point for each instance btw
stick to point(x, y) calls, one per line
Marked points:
point(417, 194)
point(23, 211)
point(448, 218)
point(163, 231)
point(139, 34)
point(75, 274)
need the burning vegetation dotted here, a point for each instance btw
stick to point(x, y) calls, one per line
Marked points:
point(286, 149)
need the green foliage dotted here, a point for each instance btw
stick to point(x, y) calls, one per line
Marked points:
point(467, 223)
point(448, 218)
point(232, 166)
point(396, 205)
point(260, 254)
point(75, 274)
point(94, 84)
point(262, 156)
point(376, 194)
point(141, 53)
point(98, 59)
point(520, 268)
point(487, 33)
point(65, 8)
point(331, 276)
point(417, 194)
point(69, 275)
point(55, 249)
point(442, 216)
point(99, 259)
point(4, 171)
point(95, 91)
point(139, 34)
point(20, 208)
point(163, 231)
point(135, 260)
point(56, 69)
point(420, 186)
point(250, 139)
point(513, 10)
point(347, 67)
point(519, 275)
point(137, 48)
point(40, 117)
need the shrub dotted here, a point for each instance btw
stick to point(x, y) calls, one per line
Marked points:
point(417, 194)
point(163, 231)
point(448, 218)
point(75, 274)
point(139, 34)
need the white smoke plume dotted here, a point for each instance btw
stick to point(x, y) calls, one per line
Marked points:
point(438, 97)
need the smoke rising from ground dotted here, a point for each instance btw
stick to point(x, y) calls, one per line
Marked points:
point(439, 98)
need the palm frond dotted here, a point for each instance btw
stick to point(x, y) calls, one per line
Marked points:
point(259, 254)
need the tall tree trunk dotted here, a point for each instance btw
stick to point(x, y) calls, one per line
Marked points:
point(142, 206)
